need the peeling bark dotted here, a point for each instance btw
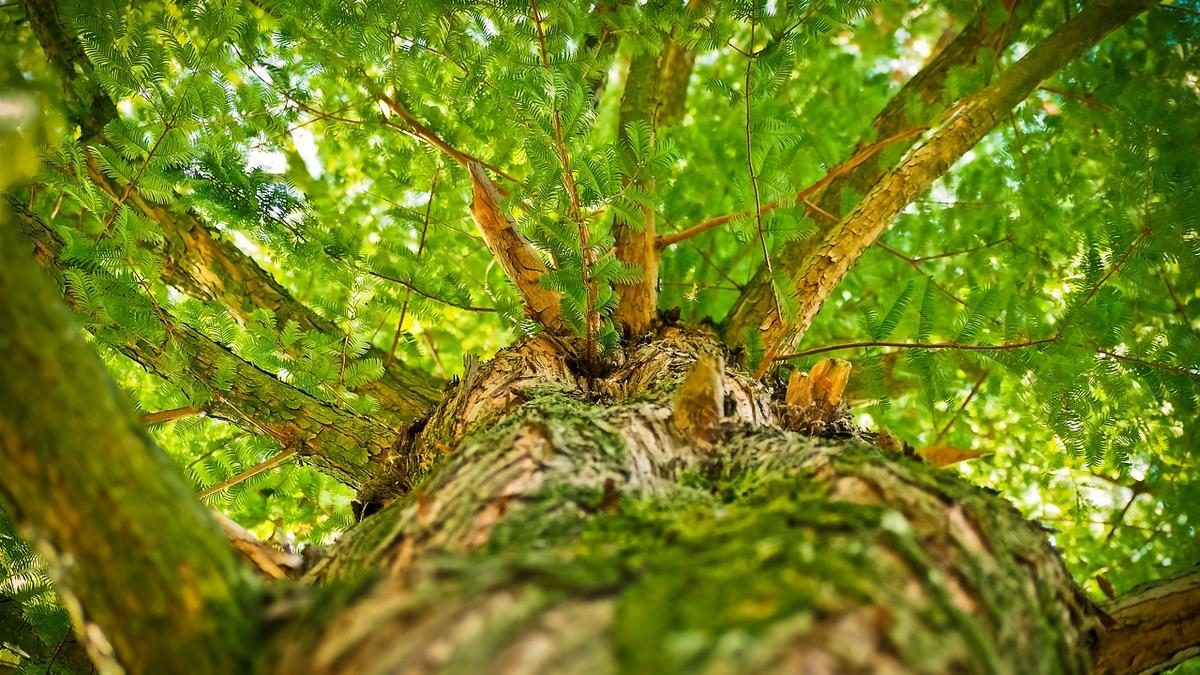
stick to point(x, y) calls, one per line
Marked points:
point(1151, 628)
point(513, 251)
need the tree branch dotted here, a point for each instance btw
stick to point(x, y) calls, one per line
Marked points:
point(922, 93)
point(196, 262)
point(164, 416)
point(513, 251)
point(349, 447)
point(149, 577)
point(655, 93)
point(917, 345)
point(1151, 628)
point(827, 263)
point(591, 314)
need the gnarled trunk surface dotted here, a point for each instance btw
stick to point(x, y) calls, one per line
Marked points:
point(573, 528)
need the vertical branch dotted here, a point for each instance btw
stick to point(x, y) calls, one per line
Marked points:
point(655, 94)
point(408, 289)
point(758, 214)
point(591, 316)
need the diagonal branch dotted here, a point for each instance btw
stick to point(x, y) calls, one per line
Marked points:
point(513, 251)
point(820, 271)
point(801, 198)
point(347, 446)
point(196, 262)
point(905, 117)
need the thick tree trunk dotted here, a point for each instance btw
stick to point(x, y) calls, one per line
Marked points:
point(571, 527)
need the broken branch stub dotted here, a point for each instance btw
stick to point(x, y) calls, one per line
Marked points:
point(814, 399)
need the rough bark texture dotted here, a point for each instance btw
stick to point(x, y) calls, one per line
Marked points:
point(148, 577)
point(1151, 628)
point(824, 266)
point(571, 526)
point(514, 252)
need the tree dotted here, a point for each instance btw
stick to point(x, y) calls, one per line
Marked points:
point(263, 233)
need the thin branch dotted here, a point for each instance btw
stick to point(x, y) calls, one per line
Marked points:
point(758, 214)
point(164, 416)
point(409, 285)
point(424, 133)
point(916, 265)
point(918, 345)
point(1087, 99)
point(1178, 370)
point(961, 408)
point(591, 318)
point(842, 169)
point(426, 294)
point(266, 465)
point(1006, 239)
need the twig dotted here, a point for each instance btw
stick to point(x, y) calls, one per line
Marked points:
point(1006, 239)
point(758, 215)
point(918, 345)
point(164, 416)
point(839, 170)
point(426, 294)
point(591, 318)
point(266, 465)
point(420, 249)
point(961, 408)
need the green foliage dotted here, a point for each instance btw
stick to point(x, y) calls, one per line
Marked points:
point(1076, 222)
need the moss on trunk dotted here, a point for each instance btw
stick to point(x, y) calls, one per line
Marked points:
point(578, 530)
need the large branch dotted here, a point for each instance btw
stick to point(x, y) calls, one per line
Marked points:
point(898, 127)
point(1152, 627)
point(196, 262)
point(513, 251)
point(655, 93)
point(824, 266)
point(150, 579)
point(349, 447)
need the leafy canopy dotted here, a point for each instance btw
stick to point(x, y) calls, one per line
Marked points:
point(1075, 224)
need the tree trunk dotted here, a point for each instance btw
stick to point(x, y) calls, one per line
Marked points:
point(571, 527)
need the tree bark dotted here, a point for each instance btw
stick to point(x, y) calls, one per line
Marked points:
point(655, 93)
point(1151, 628)
point(151, 583)
point(571, 532)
